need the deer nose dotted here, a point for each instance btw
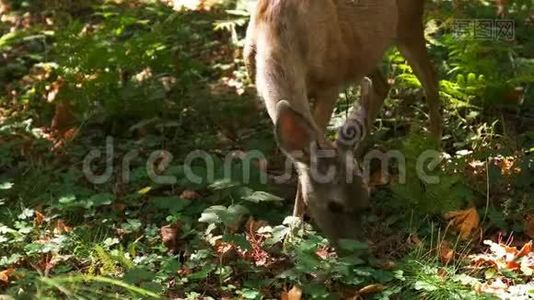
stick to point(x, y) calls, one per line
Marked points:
point(335, 207)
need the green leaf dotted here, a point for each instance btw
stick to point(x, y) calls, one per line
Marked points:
point(308, 262)
point(424, 286)
point(138, 275)
point(171, 204)
point(8, 37)
point(352, 245)
point(100, 200)
point(67, 199)
point(497, 217)
point(220, 214)
point(249, 294)
point(211, 215)
point(109, 242)
point(153, 286)
point(26, 214)
point(383, 276)
point(258, 197)
point(223, 184)
point(238, 240)
point(144, 190)
point(6, 185)
point(202, 274)
point(235, 212)
point(278, 234)
point(171, 265)
point(132, 225)
point(316, 291)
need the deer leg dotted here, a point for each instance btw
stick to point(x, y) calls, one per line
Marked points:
point(300, 208)
point(325, 102)
point(380, 92)
point(413, 48)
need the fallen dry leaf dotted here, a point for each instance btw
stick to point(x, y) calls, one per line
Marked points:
point(506, 257)
point(388, 265)
point(446, 253)
point(70, 134)
point(324, 252)
point(53, 90)
point(170, 235)
point(506, 164)
point(63, 129)
point(63, 117)
point(190, 195)
point(525, 250)
point(513, 265)
point(39, 218)
point(61, 227)
point(226, 251)
point(5, 275)
point(372, 289)
point(466, 222)
point(294, 294)
point(4, 7)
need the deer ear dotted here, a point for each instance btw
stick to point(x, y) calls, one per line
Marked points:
point(366, 93)
point(294, 133)
point(355, 128)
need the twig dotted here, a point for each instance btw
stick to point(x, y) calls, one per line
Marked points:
point(487, 190)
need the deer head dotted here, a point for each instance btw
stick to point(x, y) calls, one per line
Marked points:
point(331, 182)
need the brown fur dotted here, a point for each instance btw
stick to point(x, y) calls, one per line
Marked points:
point(298, 50)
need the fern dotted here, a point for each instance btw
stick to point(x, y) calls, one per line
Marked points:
point(108, 266)
point(449, 194)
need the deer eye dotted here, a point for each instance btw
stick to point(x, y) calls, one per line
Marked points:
point(335, 207)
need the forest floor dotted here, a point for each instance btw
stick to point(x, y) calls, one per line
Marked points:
point(129, 142)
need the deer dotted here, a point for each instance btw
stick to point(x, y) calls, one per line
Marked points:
point(301, 54)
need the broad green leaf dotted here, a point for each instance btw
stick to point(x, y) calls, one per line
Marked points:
point(101, 200)
point(278, 234)
point(132, 225)
point(223, 184)
point(26, 213)
point(352, 245)
point(138, 275)
point(202, 274)
point(258, 197)
point(172, 204)
point(67, 199)
point(6, 185)
point(238, 240)
point(211, 215)
point(250, 294)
